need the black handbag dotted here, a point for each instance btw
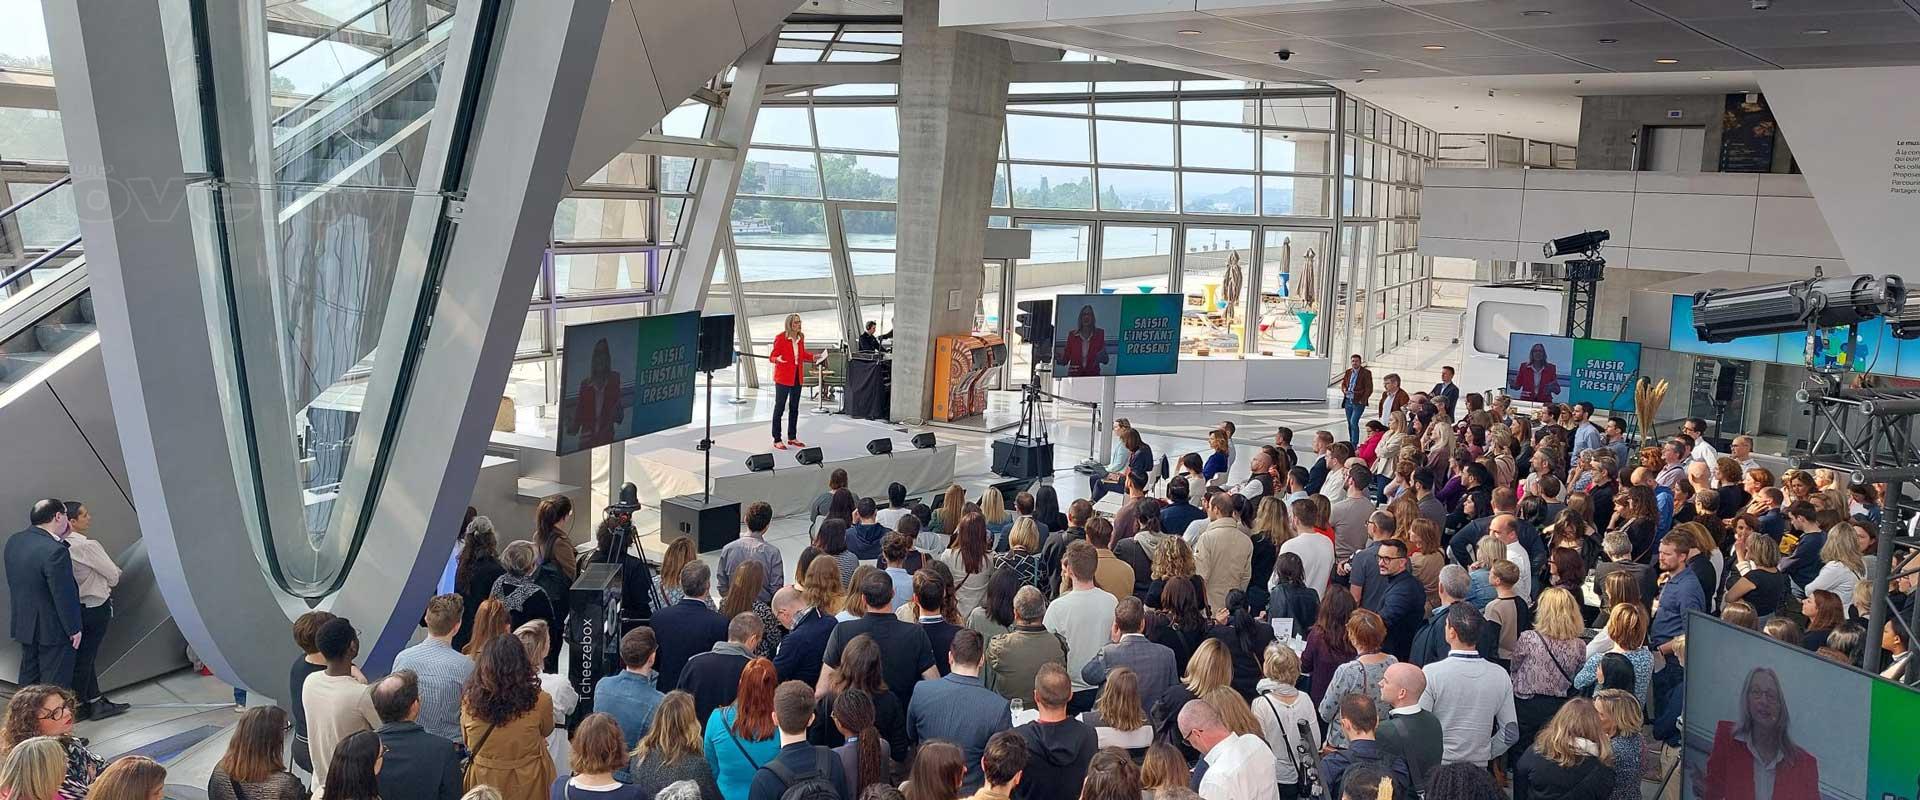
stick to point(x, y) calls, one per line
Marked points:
point(1306, 766)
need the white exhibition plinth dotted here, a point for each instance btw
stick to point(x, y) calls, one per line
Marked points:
point(1216, 379)
point(673, 467)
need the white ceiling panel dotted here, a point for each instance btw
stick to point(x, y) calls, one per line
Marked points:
point(1871, 55)
point(1885, 27)
point(1207, 30)
point(1159, 52)
point(1459, 44)
point(1305, 51)
point(1371, 21)
point(1686, 61)
point(1524, 13)
point(1722, 9)
point(1082, 38)
point(1629, 37)
point(1540, 64)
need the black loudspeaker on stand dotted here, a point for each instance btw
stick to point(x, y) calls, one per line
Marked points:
point(711, 521)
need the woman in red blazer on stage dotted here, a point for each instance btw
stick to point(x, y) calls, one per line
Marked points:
point(789, 354)
point(1758, 745)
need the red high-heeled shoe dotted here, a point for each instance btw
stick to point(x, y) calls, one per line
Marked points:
point(796, 443)
point(779, 445)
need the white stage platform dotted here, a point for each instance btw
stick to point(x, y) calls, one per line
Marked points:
point(669, 462)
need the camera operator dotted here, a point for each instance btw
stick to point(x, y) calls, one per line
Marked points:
point(616, 541)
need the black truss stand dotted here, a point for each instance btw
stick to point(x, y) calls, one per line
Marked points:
point(712, 521)
point(1583, 286)
point(1867, 435)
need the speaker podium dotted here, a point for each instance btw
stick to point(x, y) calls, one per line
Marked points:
point(711, 520)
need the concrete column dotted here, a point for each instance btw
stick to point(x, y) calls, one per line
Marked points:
point(953, 101)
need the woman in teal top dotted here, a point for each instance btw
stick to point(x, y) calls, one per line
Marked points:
point(740, 738)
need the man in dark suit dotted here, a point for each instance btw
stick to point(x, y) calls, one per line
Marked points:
point(713, 677)
point(1407, 730)
point(416, 763)
point(1445, 393)
point(1356, 388)
point(1401, 599)
point(687, 628)
point(1153, 663)
point(803, 647)
point(46, 600)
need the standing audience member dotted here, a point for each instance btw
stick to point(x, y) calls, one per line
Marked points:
point(713, 677)
point(906, 655)
point(1327, 644)
point(597, 755)
point(741, 738)
point(521, 589)
point(1472, 698)
point(1239, 765)
point(1224, 553)
point(808, 625)
point(1164, 775)
point(415, 762)
point(559, 566)
point(752, 546)
point(1059, 747)
point(505, 718)
point(935, 773)
point(1627, 630)
point(1013, 659)
point(1313, 546)
point(797, 761)
point(253, 766)
point(688, 627)
point(958, 708)
point(1022, 558)
point(1153, 664)
point(1246, 638)
point(491, 621)
point(866, 754)
point(473, 577)
point(1622, 718)
point(533, 637)
point(1083, 617)
point(1002, 765)
point(1118, 718)
point(1290, 598)
point(672, 751)
point(441, 671)
point(1407, 730)
point(306, 632)
point(1572, 757)
point(631, 695)
point(1288, 721)
point(354, 771)
point(1358, 723)
point(1362, 675)
point(1545, 659)
point(1351, 512)
point(1681, 593)
point(336, 699)
point(1400, 600)
point(95, 575)
point(969, 560)
point(45, 596)
point(861, 670)
point(1430, 644)
point(1110, 573)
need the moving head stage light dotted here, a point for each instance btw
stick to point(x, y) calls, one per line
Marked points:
point(1578, 243)
point(1722, 315)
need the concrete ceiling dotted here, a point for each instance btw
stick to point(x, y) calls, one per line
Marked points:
point(1544, 107)
point(1390, 39)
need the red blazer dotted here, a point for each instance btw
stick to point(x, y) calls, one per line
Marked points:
point(1537, 388)
point(1730, 771)
point(788, 356)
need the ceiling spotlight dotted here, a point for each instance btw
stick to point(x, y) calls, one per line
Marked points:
point(1706, 77)
point(1433, 47)
point(1369, 71)
point(1187, 32)
point(1816, 31)
point(1722, 315)
point(1609, 41)
point(1666, 61)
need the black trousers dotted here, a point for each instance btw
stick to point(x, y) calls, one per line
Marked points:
point(41, 662)
point(93, 631)
point(786, 399)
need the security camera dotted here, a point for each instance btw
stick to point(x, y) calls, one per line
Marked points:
point(1283, 54)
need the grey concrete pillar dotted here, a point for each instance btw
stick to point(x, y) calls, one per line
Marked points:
point(953, 101)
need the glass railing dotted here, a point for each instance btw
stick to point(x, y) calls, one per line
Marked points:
point(39, 236)
point(343, 63)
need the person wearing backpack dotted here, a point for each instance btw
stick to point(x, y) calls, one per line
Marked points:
point(801, 771)
point(1359, 718)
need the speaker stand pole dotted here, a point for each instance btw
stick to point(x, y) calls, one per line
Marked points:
point(706, 446)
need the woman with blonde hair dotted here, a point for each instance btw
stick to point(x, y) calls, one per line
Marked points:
point(993, 510)
point(253, 767)
point(1218, 447)
point(679, 554)
point(1545, 659)
point(1162, 771)
point(1627, 628)
point(130, 778)
point(672, 750)
point(946, 518)
point(1841, 563)
point(1622, 717)
point(1210, 667)
point(1287, 717)
point(821, 587)
point(744, 597)
point(1480, 590)
point(599, 751)
point(1173, 561)
point(1023, 553)
point(1762, 585)
point(790, 357)
point(34, 770)
point(1428, 556)
point(1572, 756)
point(1117, 717)
point(1388, 451)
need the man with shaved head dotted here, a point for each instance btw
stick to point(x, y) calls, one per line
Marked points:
point(1407, 730)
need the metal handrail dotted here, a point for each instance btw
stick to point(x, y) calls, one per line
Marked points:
point(328, 35)
point(12, 209)
point(357, 70)
point(37, 263)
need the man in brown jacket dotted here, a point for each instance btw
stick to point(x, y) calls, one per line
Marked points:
point(1356, 388)
point(1224, 552)
point(1014, 658)
point(1110, 573)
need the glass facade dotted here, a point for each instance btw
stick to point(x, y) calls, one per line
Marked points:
point(1383, 280)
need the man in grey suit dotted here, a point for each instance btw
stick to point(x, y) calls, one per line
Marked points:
point(1151, 661)
point(46, 600)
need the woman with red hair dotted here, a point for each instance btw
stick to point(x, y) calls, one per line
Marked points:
point(741, 737)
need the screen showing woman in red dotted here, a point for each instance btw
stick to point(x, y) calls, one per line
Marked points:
point(1086, 350)
point(1538, 380)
